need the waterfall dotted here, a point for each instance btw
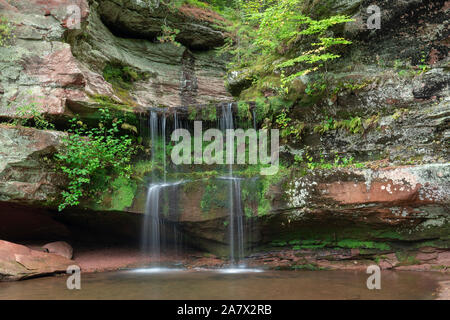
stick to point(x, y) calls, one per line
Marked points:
point(162, 203)
point(255, 126)
point(151, 234)
point(153, 123)
point(236, 229)
point(155, 232)
point(163, 134)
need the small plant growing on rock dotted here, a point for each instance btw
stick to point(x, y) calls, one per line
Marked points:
point(169, 34)
point(30, 114)
point(6, 31)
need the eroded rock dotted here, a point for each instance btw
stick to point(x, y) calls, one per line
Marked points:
point(25, 178)
point(19, 262)
point(61, 248)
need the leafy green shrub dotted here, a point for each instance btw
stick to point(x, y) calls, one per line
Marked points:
point(92, 156)
point(279, 36)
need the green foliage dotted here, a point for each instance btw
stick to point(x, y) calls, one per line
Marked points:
point(30, 114)
point(244, 110)
point(292, 129)
point(6, 31)
point(213, 198)
point(353, 125)
point(338, 162)
point(92, 156)
point(206, 113)
point(169, 34)
point(278, 36)
point(423, 66)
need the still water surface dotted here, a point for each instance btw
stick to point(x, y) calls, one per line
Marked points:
point(231, 284)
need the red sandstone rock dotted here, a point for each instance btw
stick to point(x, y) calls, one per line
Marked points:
point(19, 262)
point(61, 248)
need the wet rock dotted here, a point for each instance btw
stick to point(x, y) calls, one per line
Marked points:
point(19, 262)
point(61, 248)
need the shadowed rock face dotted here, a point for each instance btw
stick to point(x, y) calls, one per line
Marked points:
point(24, 223)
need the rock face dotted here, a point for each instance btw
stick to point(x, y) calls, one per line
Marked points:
point(19, 262)
point(59, 67)
point(25, 177)
point(60, 248)
point(177, 75)
point(403, 203)
point(144, 19)
point(37, 66)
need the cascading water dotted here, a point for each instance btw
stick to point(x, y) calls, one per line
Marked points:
point(255, 126)
point(236, 225)
point(151, 233)
point(163, 196)
point(155, 232)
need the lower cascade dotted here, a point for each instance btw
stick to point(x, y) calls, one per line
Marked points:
point(154, 231)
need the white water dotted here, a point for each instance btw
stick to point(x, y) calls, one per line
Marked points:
point(236, 225)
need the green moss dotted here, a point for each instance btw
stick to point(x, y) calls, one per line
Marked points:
point(355, 244)
point(307, 267)
point(256, 194)
point(278, 243)
point(214, 197)
point(406, 258)
point(244, 110)
point(123, 194)
point(109, 103)
point(209, 113)
point(122, 76)
point(6, 31)
point(441, 244)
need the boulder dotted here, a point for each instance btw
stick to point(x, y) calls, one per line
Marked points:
point(19, 262)
point(61, 248)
